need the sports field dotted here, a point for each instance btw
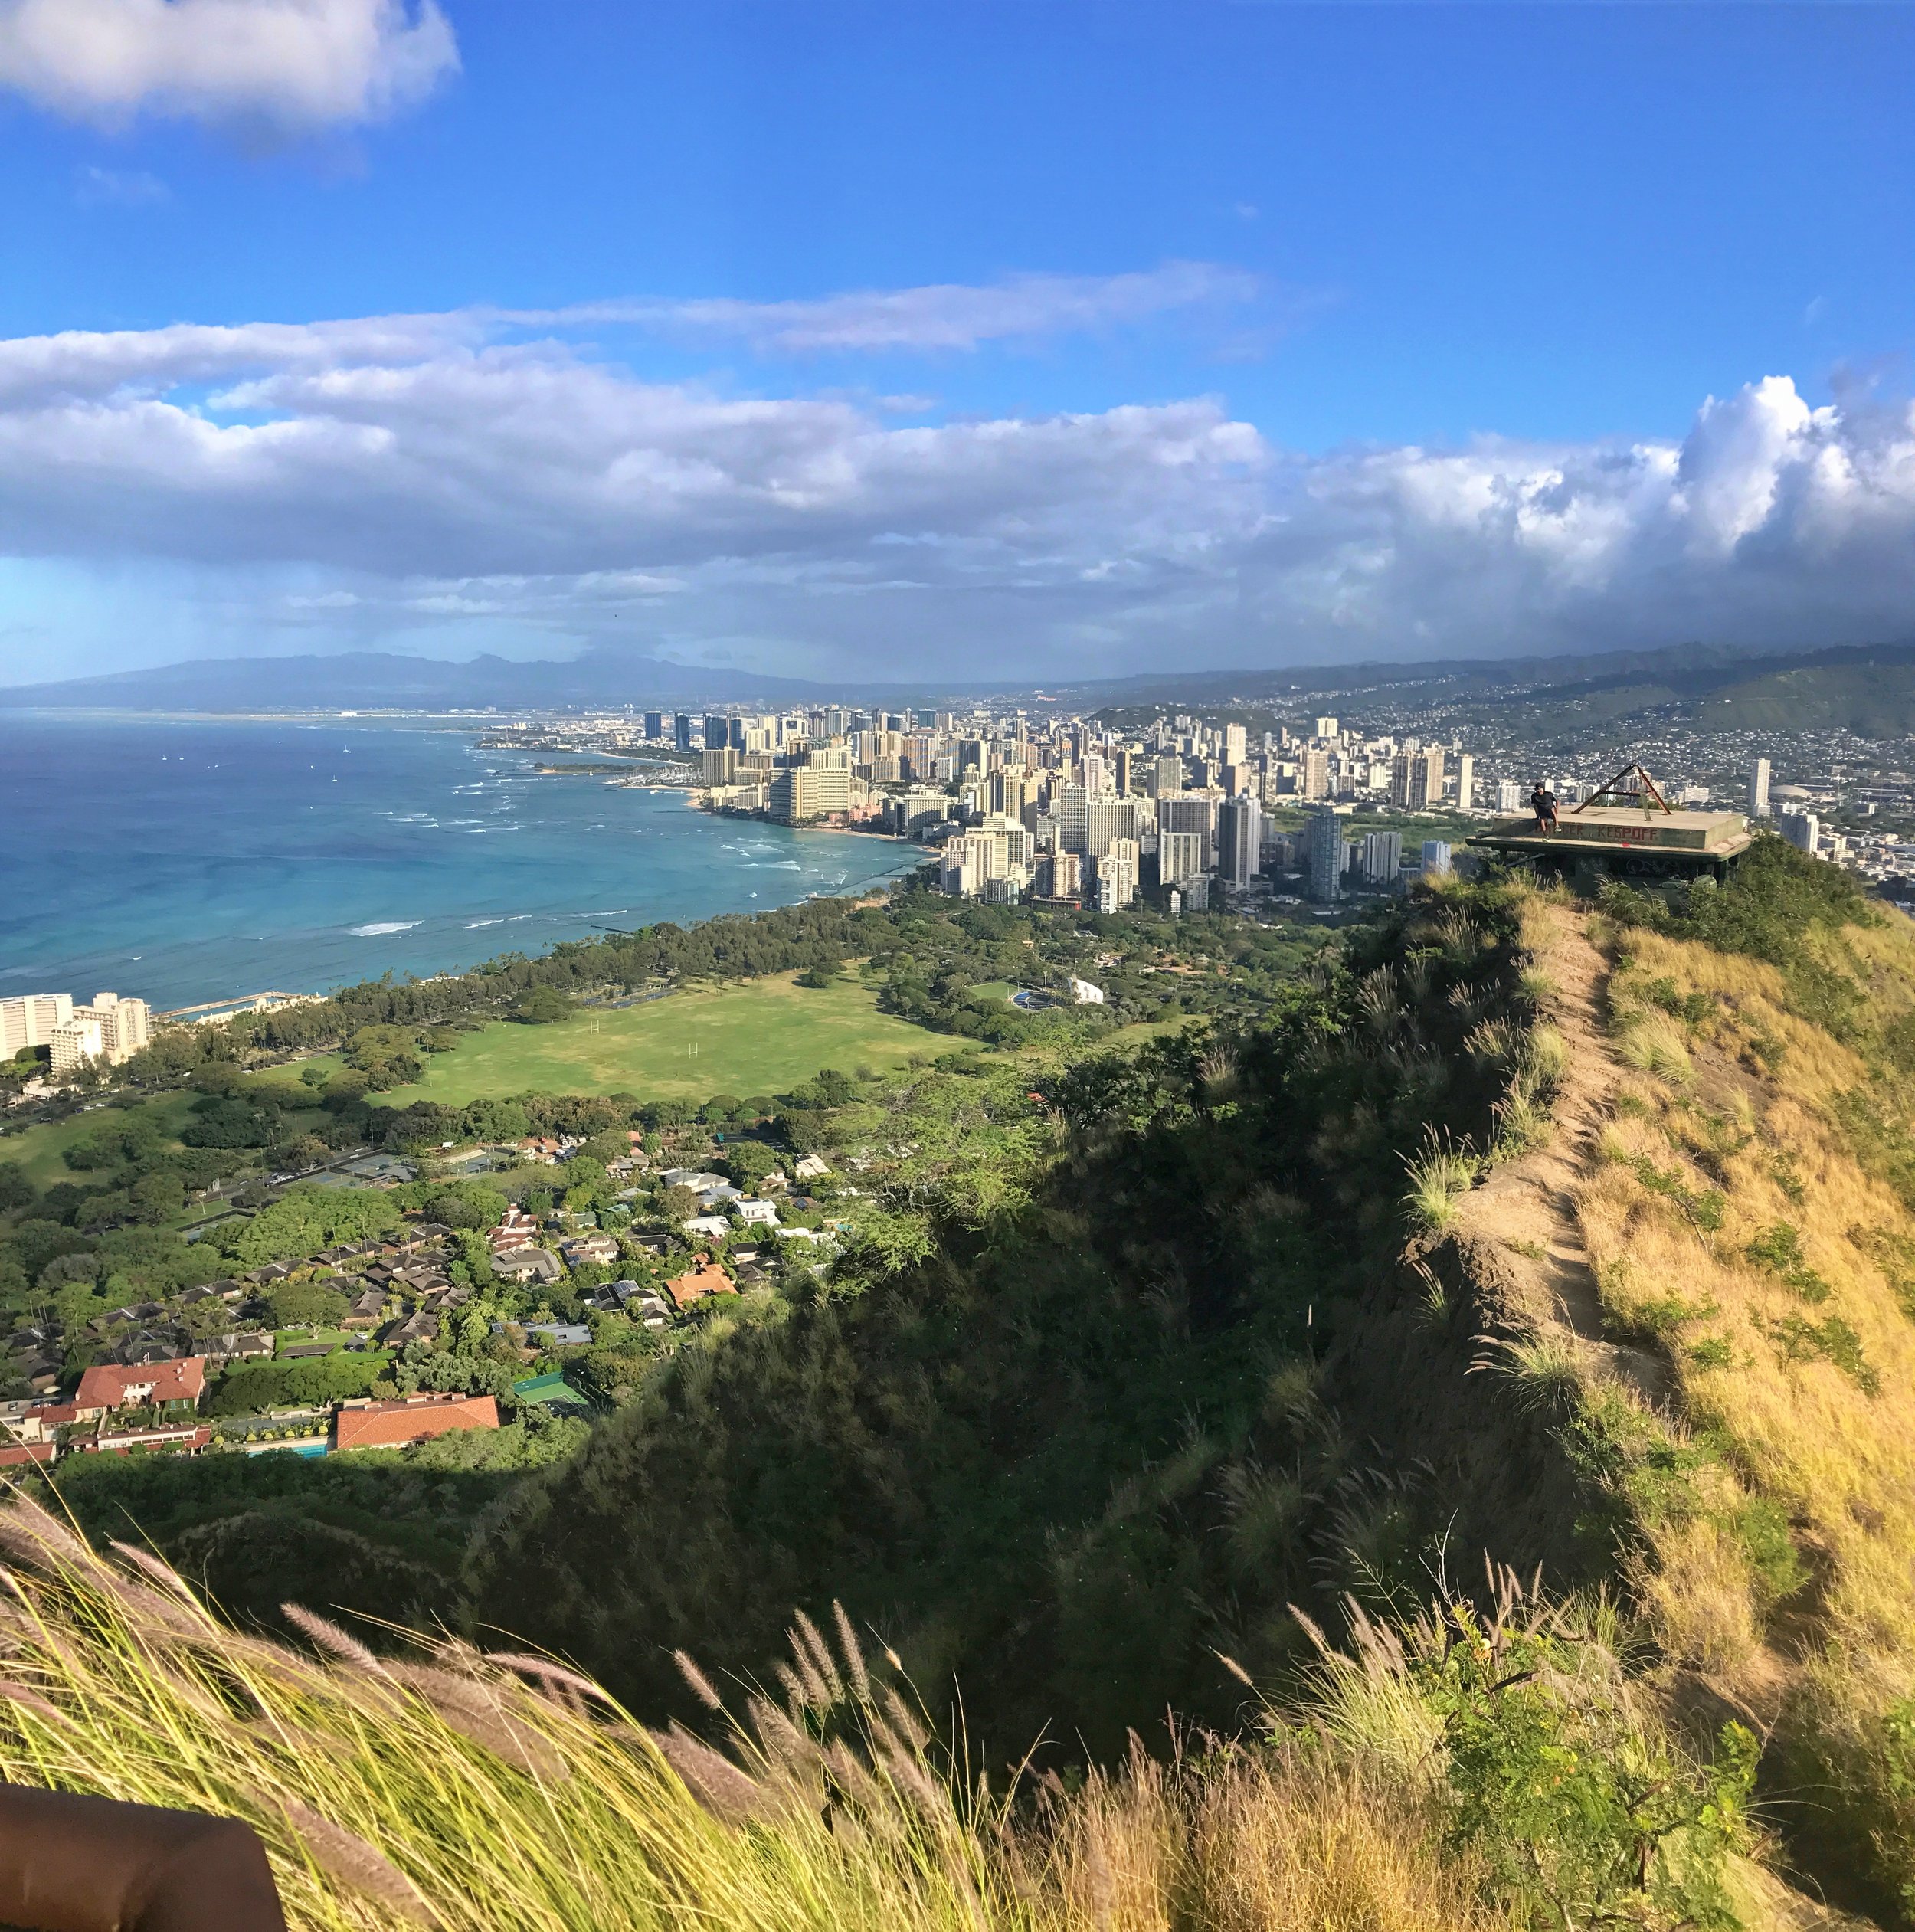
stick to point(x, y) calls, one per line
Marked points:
point(762, 1037)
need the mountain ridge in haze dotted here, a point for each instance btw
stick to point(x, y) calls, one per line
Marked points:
point(1868, 688)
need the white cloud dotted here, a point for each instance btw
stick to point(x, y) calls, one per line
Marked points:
point(379, 475)
point(296, 64)
point(115, 187)
point(955, 316)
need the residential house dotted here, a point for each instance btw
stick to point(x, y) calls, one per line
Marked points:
point(133, 1311)
point(151, 1342)
point(591, 1249)
point(361, 1424)
point(176, 1385)
point(414, 1327)
point(225, 1291)
point(704, 1277)
point(183, 1438)
point(699, 1182)
point(555, 1334)
point(366, 1310)
point(758, 1213)
point(516, 1230)
point(23, 1452)
point(527, 1264)
point(715, 1225)
point(240, 1346)
point(812, 1167)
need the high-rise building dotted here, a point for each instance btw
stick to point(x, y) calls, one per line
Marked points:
point(1428, 794)
point(1059, 875)
point(1188, 812)
point(1124, 760)
point(1239, 841)
point(1435, 859)
point(720, 764)
point(654, 725)
point(1509, 795)
point(1236, 744)
point(1166, 778)
point(681, 730)
point(1180, 857)
point(29, 1019)
point(1313, 775)
point(1466, 784)
point(1325, 728)
point(1416, 779)
point(111, 1029)
point(1803, 830)
point(1117, 876)
point(1326, 855)
point(1382, 858)
point(718, 729)
point(1087, 823)
point(799, 793)
point(1758, 789)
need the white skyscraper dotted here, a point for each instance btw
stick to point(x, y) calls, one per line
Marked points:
point(1239, 841)
point(1117, 876)
point(1383, 857)
point(1758, 789)
point(1466, 784)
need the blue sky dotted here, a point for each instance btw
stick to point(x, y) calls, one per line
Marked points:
point(1241, 333)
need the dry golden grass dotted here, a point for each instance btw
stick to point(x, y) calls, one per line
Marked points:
point(503, 1793)
point(1712, 1150)
point(1260, 1842)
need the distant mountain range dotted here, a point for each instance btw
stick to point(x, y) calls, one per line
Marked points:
point(1868, 690)
point(379, 680)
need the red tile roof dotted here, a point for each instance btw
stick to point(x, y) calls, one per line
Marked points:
point(708, 1278)
point(26, 1452)
point(181, 1381)
point(413, 1418)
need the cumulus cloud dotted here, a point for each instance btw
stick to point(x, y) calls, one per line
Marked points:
point(418, 470)
point(298, 63)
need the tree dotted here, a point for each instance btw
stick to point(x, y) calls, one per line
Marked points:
point(306, 1304)
point(748, 1162)
point(543, 1006)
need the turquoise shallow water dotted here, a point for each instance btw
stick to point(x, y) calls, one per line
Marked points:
point(184, 860)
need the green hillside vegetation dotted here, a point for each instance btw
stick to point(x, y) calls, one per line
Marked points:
point(762, 1034)
point(1869, 692)
point(1151, 1473)
point(1873, 700)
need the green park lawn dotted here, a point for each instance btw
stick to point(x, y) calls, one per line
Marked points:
point(39, 1149)
point(762, 1037)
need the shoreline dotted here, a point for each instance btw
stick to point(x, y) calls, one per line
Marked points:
point(302, 865)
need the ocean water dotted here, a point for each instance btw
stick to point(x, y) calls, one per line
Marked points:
point(183, 860)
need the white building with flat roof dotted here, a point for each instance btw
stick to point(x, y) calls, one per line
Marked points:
point(112, 1029)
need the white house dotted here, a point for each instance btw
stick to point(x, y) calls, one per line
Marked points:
point(716, 1226)
point(758, 1213)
